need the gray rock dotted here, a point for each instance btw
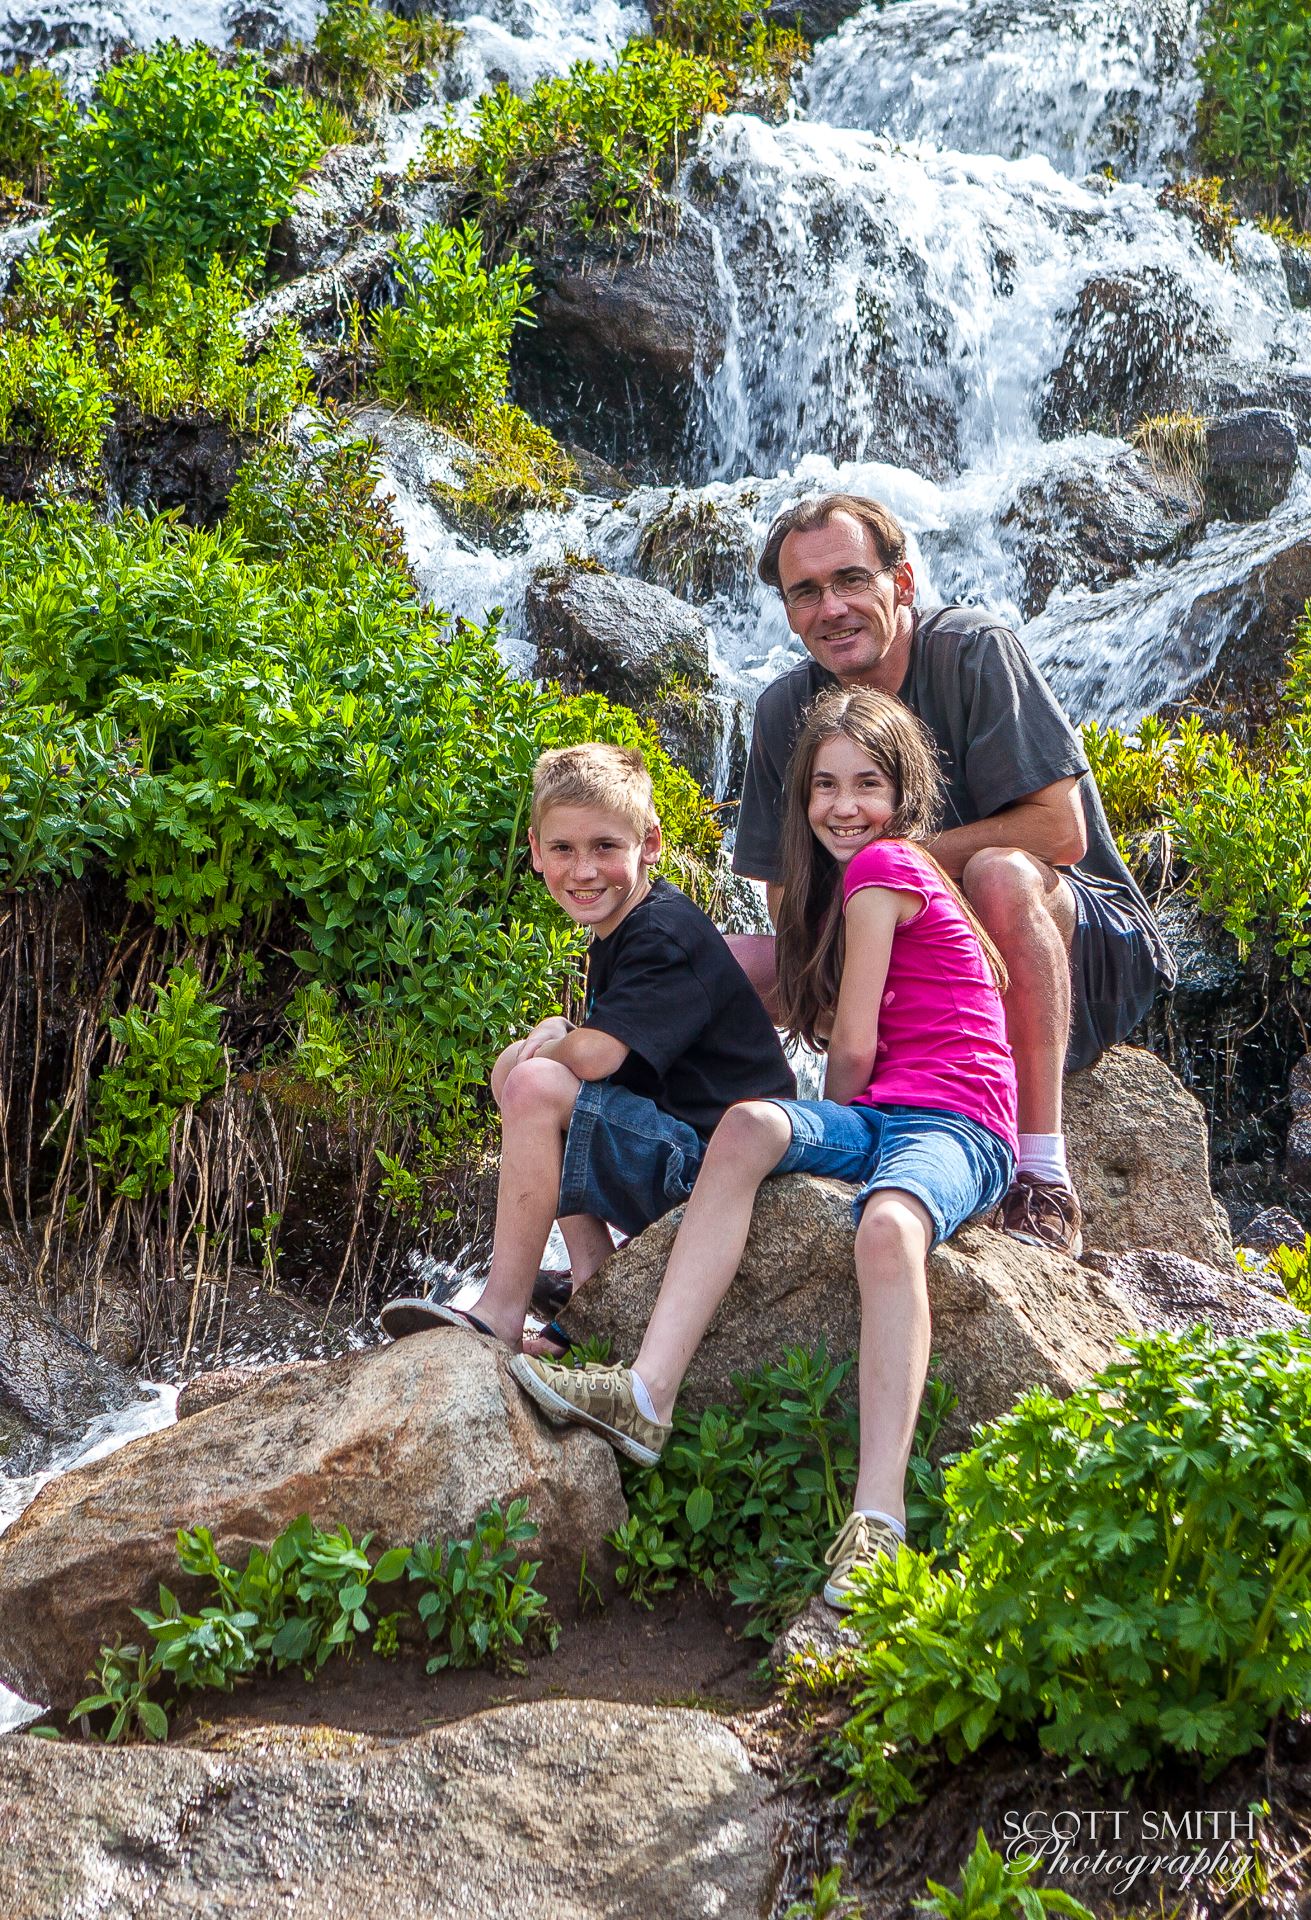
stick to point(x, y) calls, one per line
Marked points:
point(618, 347)
point(698, 549)
point(1217, 384)
point(1296, 262)
point(331, 208)
point(1130, 334)
point(597, 632)
point(320, 302)
point(1168, 1291)
point(1297, 1151)
point(1092, 520)
point(409, 1441)
point(52, 1386)
point(14, 243)
point(1139, 1157)
point(1273, 1227)
point(815, 19)
point(816, 1636)
point(556, 1811)
point(1251, 457)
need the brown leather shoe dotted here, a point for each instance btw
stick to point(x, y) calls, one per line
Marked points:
point(1043, 1214)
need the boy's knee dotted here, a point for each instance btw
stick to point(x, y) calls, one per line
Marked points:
point(535, 1088)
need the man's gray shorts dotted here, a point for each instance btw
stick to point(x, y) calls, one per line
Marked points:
point(1114, 975)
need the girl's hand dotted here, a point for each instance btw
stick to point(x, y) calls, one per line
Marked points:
point(553, 1028)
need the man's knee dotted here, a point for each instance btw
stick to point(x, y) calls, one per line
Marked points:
point(1009, 889)
point(754, 953)
point(536, 1088)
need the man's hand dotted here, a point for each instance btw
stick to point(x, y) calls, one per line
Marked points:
point(553, 1028)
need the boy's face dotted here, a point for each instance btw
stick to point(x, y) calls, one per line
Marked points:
point(594, 864)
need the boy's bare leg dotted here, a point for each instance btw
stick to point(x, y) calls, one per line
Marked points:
point(747, 1145)
point(536, 1099)
point(892, 1246)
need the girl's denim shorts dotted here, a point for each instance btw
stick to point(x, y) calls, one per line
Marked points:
point(952, 1165)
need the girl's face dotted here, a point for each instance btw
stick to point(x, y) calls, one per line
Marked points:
point(851, 800)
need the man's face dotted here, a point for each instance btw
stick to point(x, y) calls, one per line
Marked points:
point(853, 631)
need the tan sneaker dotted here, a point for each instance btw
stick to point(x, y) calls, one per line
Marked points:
point(597, 1397)
point(1044, 1214)
point(862, 1543)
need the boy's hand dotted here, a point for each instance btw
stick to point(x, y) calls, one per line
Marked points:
point(554, 1028)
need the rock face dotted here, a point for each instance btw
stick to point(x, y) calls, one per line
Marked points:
point(1005, 1316)
point(1130, 334)
point(1222, 383)
point(1251, 456)
point(1138, 1154)
point(618, 347)
point(1094, 520)
point(52, 1386)
point(521, 1813)
point(408, 1441)
point(597, 633)
point(1297, 1152)
point(329, 210)
point(1168, 1291)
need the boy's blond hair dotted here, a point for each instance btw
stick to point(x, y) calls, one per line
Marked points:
point(612, 779)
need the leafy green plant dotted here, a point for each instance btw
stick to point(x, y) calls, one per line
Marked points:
point(183, 157)
point(1255, 113)
point(1126, 1573)
point(826, 1900)
point(365, 57)
point(478, 1602)
point(994, 1888)
point(122, 1678)
point(166, 1060)
point(747, 1497)
point(33, 113)
point(1291, 1266)
point(446, 344)
point(186, 351)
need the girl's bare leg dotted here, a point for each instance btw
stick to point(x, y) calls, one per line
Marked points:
point(747, 1144)
point(892, 1246)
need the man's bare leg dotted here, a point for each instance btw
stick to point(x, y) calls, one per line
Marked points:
point(754, 953)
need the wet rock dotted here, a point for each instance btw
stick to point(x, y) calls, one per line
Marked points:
point(241, 1321)
point(52, 1386)
point(187, 461)
point(1139, 1157)
point(1297, 1151)
point(331, 206)
point(1217, 384)
point(409, 1441)
point(1168, 1291)
point(814, 19)
point(1129, 336)
point(1296, 262)
point(1273, 1227)
point(1251, 457)
point(1006, 1316)
point(596, 632)
point(14, 243)
point(559, 1810)
point(698, 549)
point(618, 346)
point(320, 303)
point(1091, 520)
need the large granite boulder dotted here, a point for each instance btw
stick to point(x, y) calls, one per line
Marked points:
point(407, 1441)
point(1168, 1291)
point(564, 1810)
point(598, 633)
point(1138, 1154)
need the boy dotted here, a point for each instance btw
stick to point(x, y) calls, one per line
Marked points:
point(609, 1120)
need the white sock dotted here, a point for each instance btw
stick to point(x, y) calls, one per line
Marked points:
point(1043, 1155)
point(874, 1513)
point(644, 1402)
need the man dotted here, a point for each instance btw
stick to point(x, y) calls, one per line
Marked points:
point(1024, 832)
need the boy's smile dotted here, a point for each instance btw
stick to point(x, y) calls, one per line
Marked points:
point(595, 864)
point(852, 801)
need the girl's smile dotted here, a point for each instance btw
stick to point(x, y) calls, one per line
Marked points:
point(852, 801)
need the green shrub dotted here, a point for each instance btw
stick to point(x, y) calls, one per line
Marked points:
point(993, 1888)
point(1255, 113)
point(1132, 1576)
point(747, 1497)
point(446, 344)
point(166, 1060)
point(758, 60)
point(478, 1603)
point(186, 352)
point(1291, 1266)
point(182, 158)
point(54, 393)
point(33, 113)
point(363, 56)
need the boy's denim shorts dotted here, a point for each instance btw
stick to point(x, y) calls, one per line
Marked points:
point(955, 1167)
point(624, 1160)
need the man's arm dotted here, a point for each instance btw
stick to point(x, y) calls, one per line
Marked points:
point(1048, 824)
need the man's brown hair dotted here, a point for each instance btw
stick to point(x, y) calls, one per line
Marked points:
point(888, 534)
point(613, 779)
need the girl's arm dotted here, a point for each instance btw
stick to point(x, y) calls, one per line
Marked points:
point(872, 917)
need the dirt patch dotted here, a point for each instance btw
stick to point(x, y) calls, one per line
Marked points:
point(682, 1654)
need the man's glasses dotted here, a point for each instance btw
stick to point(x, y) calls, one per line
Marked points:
point(846, 583)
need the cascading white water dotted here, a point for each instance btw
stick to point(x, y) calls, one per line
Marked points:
point(1088, 83)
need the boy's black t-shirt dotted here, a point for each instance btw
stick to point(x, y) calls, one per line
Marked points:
point(665, 983)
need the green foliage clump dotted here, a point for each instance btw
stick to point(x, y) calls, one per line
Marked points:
point(1131, 1577)
point(365, 57)
point(186, 352)
point(1142, 776)
point(446, 344)
point(994, 1888)
point(1255, 112)
point(164, 1062)
point(1202, 202)
point(33, 114)
point(748, 1497)
point(183, 157)
point(758, 60)
point(624, 129)
point(310, 1595)
point(1291, 1266)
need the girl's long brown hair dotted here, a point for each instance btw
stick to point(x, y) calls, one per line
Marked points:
point(811, 930)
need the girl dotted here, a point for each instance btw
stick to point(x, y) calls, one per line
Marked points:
point(881, 961)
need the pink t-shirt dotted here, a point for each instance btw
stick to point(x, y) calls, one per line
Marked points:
point(942, 1033)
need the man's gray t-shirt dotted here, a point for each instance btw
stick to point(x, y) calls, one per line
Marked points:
point(1000, 734)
